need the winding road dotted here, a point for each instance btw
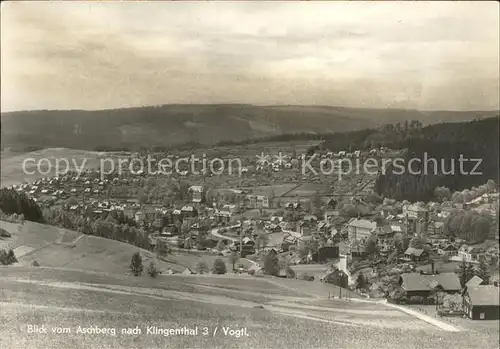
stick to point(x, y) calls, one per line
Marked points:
point(215, 232)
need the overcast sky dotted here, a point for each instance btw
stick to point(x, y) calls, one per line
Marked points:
point(100, 55)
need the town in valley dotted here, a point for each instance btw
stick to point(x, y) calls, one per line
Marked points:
point(250, 175)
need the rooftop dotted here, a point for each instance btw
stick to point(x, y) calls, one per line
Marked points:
point(474, 282)
point(414, 251)
point(362, 223)
point(470, 249)
point(423, 282)
point(484, 295)
point(416, 208)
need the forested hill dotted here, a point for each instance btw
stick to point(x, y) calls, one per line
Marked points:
point(169, 125)
point(446, 143)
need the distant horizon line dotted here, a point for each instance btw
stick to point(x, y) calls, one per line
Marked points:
point(249, 104)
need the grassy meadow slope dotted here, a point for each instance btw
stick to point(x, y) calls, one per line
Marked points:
point(55, 247)
point(84, 281)
point(67, 298)
point(206, 124)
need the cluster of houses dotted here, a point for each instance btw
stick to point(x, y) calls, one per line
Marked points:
point(240, 199)
point(356, 153)
point(278, 163)
point(416, 220)
point(351, 236)
point(54, 188)
point(480, 300)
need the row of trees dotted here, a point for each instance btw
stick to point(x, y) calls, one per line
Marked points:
point(136, 266)
point(110, 227)
point(218, 267)
point(271, 265)
point(471, 226)
point(13, 218)
point(444, 194)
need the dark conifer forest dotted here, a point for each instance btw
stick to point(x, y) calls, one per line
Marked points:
point(446, 143)
point(12, 202)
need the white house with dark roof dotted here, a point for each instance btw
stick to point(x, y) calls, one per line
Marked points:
point(448, 250)
point(469, 253)
point(415, 254)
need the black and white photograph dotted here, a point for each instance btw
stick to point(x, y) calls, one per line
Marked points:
point(249, 174)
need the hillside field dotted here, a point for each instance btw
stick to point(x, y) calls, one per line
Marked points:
point(84, 281)
point(67, 298)
point(55, 247)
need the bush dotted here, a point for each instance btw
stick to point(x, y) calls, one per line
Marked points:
point(453, 302)
point(4, 233)
point(271, 264)
point(35, 264)
point(290, 273)
point(152, 271)
point(202, 267)
point(11, 257)
point(417, 300)
point(219, 267)
point(7, 258)
point(402, 300)
point(397, 296)
point(251, 272)
point(136, 264)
